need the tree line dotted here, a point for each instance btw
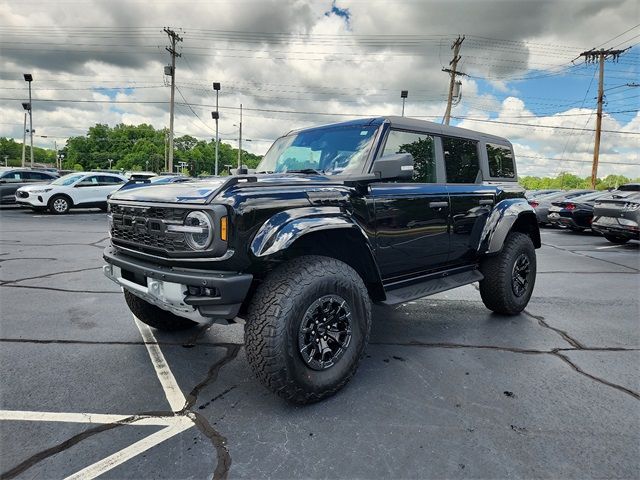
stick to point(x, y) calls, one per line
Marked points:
point(132, 147)
point(143, 147)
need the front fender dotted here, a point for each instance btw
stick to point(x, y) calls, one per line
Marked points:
point(284, 228)
point(501, 221)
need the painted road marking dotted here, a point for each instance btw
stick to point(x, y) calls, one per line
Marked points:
point(94, 418)
point(174, 424)
point(608, 246)
point(179, 425)
point(172, 391)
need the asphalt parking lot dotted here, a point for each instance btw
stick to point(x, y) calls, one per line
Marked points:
point(447, 389)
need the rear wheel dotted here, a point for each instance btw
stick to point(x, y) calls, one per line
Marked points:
point(156, 317)
point(307, 328)
point(510, 276)
point(616, 240)
point(59, 205)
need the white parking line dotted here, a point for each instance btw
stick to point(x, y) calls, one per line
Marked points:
point(172, 391)
point(96, 418)
point(608, 246)
point(178, 425)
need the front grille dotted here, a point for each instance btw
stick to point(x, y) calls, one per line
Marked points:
point(22, 194)
point(144, 228)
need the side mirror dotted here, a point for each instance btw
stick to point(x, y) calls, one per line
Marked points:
point(395, 166)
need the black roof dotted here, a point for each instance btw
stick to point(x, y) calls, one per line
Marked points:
point(407, 123)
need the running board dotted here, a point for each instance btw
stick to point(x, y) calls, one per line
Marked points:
point(432, 286)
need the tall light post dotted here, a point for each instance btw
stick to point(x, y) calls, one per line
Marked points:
point(240, 141)
point(110, 162)
point(29, 78)
point(26, 107)
point(403, 95)
point(216, 116)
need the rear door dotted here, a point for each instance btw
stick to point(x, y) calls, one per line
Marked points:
point(471, 201)
point(411, 218)
point(108, 184)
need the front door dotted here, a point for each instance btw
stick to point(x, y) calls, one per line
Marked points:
point(411, 218)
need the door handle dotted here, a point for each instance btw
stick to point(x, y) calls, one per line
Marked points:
point(438, 204)
point(486, 202)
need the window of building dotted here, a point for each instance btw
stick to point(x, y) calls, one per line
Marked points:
point(461, 160)
point(419, 145)
point(500, 161)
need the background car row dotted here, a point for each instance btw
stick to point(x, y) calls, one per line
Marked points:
point(41, 189)
point(615, 214)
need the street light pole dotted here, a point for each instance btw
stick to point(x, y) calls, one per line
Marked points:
point(29, 78)
point(216, 87)
point(404, 94)
point(24, 137)
point(240, 141)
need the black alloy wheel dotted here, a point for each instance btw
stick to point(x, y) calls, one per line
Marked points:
point(520, 275)
point(325, 332)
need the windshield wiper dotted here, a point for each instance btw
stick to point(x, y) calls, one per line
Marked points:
point(306, 171)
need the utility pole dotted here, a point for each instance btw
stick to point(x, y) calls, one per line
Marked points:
point(173, 38)
point(452, 73)
point(240, 141)
point(24, 138)
point(599, 56)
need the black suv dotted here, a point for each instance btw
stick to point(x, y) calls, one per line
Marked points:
point(381, 210)
point(13, 178)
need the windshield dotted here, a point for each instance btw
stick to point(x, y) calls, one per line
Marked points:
point(68, 179)
point(330, 150)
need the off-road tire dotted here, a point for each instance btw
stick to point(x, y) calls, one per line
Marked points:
point(59, 200)
point(154, 316)
point(496, 289)
point(616, 240)
point(274, 316)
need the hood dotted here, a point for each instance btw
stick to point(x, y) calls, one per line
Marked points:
point(187, 192)
point(37, 186)
point(202, 191)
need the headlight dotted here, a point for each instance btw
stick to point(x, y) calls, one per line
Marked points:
point(44, 190)
point(198, 230)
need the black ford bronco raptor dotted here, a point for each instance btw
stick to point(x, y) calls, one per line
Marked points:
point(382, 210)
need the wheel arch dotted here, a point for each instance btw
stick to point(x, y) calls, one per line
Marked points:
point(511, 215)
point(324, 231)
point(65, 195)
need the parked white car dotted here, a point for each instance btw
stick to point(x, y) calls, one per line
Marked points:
point(82, 189)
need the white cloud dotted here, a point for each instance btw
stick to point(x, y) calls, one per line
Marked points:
point(320, 64)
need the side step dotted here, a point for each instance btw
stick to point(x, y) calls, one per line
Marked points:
point(431, 286)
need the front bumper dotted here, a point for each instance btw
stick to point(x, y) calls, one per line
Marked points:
point(33, 200)
point(200, 295)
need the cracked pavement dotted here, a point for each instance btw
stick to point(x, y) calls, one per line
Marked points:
point(446, 390)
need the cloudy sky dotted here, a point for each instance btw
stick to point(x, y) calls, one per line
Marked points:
point(293, 63)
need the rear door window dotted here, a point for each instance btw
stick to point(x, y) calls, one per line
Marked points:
point(421, 146)
point(500, 161)
point(461, 160)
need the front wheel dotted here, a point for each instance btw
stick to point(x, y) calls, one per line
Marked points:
point(616, 240)
point(59, 205)
point(510, 276)
point(154, 316)
point(307, 328)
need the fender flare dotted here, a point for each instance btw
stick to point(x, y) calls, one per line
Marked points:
point(285, 227)
point(501, 221)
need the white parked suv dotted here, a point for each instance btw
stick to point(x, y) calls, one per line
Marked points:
point(82, 189)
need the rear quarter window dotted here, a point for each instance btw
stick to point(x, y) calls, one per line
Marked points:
point(501, 162)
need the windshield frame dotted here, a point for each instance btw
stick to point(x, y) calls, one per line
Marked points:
point(363, 164)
